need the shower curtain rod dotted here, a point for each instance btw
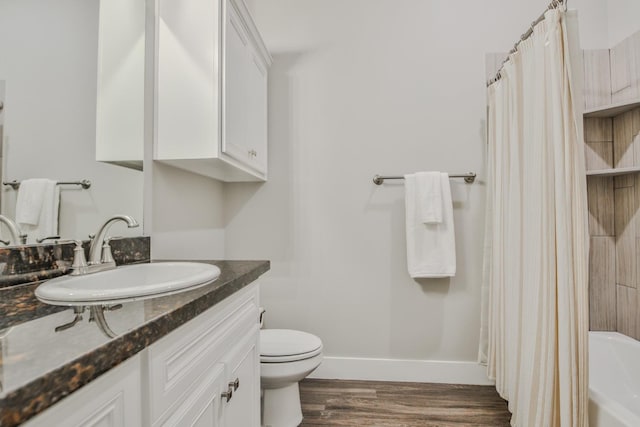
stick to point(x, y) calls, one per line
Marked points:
point(553, 5)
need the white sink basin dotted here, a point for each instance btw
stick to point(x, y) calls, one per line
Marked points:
point(127, 283)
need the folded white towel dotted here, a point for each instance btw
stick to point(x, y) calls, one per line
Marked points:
point(37, 208)
point(431, 250)
point(429, 197)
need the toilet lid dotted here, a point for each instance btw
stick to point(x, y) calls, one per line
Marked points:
point(276, 343)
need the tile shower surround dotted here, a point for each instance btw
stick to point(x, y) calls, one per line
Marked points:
point(614, 224)
point(612, 77)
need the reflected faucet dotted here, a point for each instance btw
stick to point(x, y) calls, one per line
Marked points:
point(100, 252)
point(17, 237)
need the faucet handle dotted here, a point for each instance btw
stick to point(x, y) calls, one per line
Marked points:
point(79, 265)
point(107, 256)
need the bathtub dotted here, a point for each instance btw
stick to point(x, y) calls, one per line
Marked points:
point(614, 380)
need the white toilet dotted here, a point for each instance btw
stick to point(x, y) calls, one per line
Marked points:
point(286, 357)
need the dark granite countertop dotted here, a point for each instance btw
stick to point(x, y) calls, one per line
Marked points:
point(39, 365)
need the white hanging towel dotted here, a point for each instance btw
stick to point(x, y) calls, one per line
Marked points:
point(37, 208)
point(429, 197)
point(431, 249)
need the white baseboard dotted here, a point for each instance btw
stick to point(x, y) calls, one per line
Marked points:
point(423, 371)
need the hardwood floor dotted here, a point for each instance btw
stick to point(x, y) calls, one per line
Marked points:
point(387, 404)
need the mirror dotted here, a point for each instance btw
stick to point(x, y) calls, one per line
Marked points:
point(72, 89)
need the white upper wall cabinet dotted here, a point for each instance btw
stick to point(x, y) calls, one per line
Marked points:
point(211, 103)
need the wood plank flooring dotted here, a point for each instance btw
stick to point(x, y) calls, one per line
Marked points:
point(395, 404)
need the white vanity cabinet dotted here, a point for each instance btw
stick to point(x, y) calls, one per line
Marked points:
point(211, 103)
point(205, 373)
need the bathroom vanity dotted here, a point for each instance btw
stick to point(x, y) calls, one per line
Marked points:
point(184, 359)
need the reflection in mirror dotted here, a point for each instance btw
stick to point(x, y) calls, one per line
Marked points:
point(48, 331)
point(66, 89)
point(120, 110)
point(1, 131)
point(96, 315)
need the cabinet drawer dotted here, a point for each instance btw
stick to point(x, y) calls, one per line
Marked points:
point(179, 361)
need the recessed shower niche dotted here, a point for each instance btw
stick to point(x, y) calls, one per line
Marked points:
point(612, 138)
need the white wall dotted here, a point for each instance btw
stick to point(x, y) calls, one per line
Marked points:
point(593, 23)
point(48, 57)
point(359, 88)
point(604, 24)
point(623, 19)
point(187, 215)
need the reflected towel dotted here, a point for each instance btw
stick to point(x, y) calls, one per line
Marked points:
point(431, 250)
point(37, 208)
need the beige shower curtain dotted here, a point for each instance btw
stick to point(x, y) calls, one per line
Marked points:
point(536, 260)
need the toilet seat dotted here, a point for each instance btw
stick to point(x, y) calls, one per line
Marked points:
point(285, 345)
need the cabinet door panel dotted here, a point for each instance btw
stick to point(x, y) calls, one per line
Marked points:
point(257, 112)
point(243, 364)
point(202, 407)
point(234, 131)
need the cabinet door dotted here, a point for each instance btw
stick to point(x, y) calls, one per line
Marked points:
point(234, 130)
point(256, 111)
point(202, 407)
point(243, 366)
point(112, 400)
point(179, 362)
point(245, 95)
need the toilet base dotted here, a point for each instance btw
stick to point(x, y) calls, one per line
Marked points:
point(281, 407)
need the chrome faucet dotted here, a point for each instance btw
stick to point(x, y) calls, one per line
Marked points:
point(17, 236)
point(100, 257)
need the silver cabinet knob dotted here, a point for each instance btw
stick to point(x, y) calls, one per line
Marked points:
point(229, 393)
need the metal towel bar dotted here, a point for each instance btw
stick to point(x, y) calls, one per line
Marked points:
point(85, 183)
point(469, 178)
